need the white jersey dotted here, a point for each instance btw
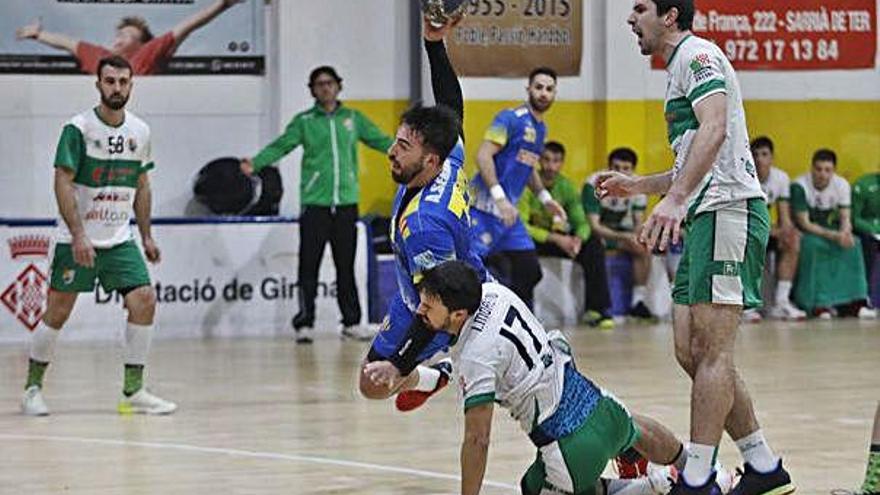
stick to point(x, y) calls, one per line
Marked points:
point(837, 194)
point(697, 70)
point(504, 355)
point(107, 162)
point(777, 187)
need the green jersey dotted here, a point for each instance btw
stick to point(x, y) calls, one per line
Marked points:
point(330, 162)
point(823, 205)
point(539, 223)
point(107, 162)
point(866, 204)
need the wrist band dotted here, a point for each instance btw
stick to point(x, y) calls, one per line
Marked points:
point(545, 197)
point(497, 192)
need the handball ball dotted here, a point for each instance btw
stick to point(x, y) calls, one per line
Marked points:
point(439, 12)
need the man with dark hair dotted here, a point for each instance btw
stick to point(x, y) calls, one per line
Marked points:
point(571, 239)
point(784, 236)
point(713, 187)
point(508, 161)
point(430, 225)
point(831, 270)
point(134, 40)
point(616, 221)
point(504, 355)
point(866, 219)
point(101, 178)
point(329, 133)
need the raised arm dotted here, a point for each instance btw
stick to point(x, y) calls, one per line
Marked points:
point(34, 31)
point(200, 18)
point(444, 80)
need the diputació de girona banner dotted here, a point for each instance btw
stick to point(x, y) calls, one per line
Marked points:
point(790, 34)
point(508, 38)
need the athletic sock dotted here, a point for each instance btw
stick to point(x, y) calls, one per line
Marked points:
point(638, 294)
point(134, 379)
point(783, 289)
point(872, 472)
point(757, 453)
point(428, 379)
point(700, 462)
point(42, 352)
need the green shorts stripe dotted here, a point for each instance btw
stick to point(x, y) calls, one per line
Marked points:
point(723, 258)
point(119, 267)
point(573, 464)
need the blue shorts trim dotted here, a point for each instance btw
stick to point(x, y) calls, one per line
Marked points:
point(492, 236)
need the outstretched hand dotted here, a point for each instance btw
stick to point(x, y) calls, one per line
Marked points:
point(31, 31)
point(433, 33)
point(615, 185)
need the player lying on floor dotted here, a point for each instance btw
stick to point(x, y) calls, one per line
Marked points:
point(504, 356)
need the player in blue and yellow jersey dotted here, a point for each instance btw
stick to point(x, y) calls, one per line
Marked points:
point(430, 225)
point(508, 162)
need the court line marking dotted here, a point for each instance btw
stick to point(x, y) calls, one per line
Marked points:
point(255, 455)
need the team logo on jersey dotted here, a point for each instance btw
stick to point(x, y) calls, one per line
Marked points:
point(701, 66)
point(349, 124)
point(530, 135)
point(528, 157)
point(132, 145)
point(68, 275)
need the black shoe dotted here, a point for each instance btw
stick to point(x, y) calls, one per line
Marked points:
point(776, 482)
point(302, 320)
point(640, 311)
point(682, 488)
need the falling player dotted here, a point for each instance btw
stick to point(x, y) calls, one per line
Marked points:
point(101, 168)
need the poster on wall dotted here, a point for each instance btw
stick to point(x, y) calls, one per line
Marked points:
point(240, 282)
point(509, 38)
point(790, 34)
point(156, 36)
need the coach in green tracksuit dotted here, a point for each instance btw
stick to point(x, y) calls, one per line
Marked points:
point(329, 133)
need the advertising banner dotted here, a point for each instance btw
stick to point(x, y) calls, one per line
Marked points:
point(790, 34)
point(214, 280)
point(156, 36)
point(509, 38)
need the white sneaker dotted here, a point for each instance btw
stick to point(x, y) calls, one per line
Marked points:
point(143, 402)
point(787, 311)
point(362, 333)
point(661, 479)
point(304, 335)
point(32, 403)
point(751, 316)
point(866, 313)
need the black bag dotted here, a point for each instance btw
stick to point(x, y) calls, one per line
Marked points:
point(226, 190)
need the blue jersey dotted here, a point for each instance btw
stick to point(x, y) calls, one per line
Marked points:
point(433, 227)
point(521, 137)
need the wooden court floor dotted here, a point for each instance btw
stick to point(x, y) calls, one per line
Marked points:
point(269, 417)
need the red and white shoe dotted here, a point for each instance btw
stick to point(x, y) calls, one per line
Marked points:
point(413, 399)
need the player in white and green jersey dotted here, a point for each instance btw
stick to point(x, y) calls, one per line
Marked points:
point(714, 189)
point(101, 182)
point(504, 356)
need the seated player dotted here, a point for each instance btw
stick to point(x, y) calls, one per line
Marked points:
point(430, 225)
point(505, 357)
point(784, 236)
point(617, 220)
point(831, 271)
point(554, 236)
point(866, 218)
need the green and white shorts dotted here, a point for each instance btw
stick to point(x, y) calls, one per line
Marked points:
point(119, 267)
point(572, 465)
point(723, 258)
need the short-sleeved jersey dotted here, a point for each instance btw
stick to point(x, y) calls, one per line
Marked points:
point(823, 205)
point(521, 137)
point(615, 213)
point(777, 187)
point(433, 227)
point(107, 162)
point(697, 70)
point(503, 354)
point(148, 59)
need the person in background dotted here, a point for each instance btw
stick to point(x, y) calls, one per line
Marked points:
point(134, 41)
point(572, 239)
point(616, 221)
point(329, 133)
point(784, 237)
point(831, 271)
point(866, 218)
